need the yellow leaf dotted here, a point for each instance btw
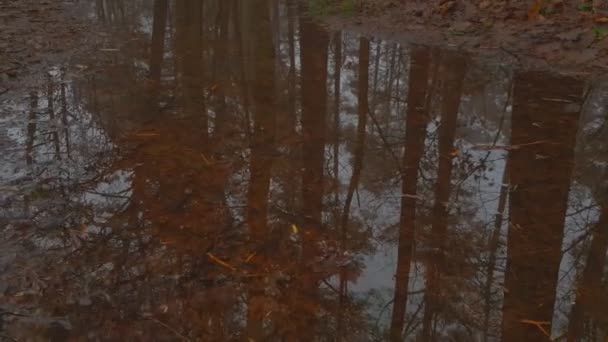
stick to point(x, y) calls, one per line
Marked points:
point(294, 229)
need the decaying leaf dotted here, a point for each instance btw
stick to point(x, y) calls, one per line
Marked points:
point(534, 11)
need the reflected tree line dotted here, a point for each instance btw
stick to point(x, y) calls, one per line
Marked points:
point(247, 164)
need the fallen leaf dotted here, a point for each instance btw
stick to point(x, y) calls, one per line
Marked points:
point(447, 7)
point(601, 20)
point(294, 229)
point(534, 12)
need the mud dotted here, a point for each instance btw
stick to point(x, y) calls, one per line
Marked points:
point(566, 36)
point(36, 34)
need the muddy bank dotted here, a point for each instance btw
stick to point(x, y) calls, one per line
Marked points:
point(34, 35)
point(562, 36)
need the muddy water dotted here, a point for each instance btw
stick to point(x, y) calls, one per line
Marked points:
point(229, 170)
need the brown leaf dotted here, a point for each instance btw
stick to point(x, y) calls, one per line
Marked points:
point(484, 4)
point(601, 20)
point(447, 7)
point(534, 12)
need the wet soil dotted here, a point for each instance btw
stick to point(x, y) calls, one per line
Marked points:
point(565, 36)
point(34, 34)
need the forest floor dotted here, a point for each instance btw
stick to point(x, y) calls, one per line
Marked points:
point(563, 35)
point(33, 35)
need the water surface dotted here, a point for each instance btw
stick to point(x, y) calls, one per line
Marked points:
point(225, 170)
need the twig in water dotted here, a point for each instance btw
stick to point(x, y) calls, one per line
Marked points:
point(164, 325)
point(221, 262)
point(9, 338)
point(539, 325)
point(507, 148)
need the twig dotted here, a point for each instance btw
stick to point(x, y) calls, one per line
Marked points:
point(505, 147)
point(539, 325)
point(107, 195)
point(494, 141)
point(384, 307)
point(330, 286)
point(383, 138)
point(412, 324)
point(221, 262)
point(7, 337)
point(164, 325)
point(8, 70)
point(147, 135)
point(10, 313)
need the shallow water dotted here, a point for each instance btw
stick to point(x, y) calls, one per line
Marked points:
point(230, 170)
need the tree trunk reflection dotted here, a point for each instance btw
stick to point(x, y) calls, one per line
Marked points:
point(417, 117)
point(541, 115)
point(451, 93)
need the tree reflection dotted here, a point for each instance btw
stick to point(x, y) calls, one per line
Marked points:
point(262, 151)
point(417, 117)
point(451, 92)
point(157, 50)
point(538, 206)
point(314, 42)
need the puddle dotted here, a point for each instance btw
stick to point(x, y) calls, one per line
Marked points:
point(229, 170)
